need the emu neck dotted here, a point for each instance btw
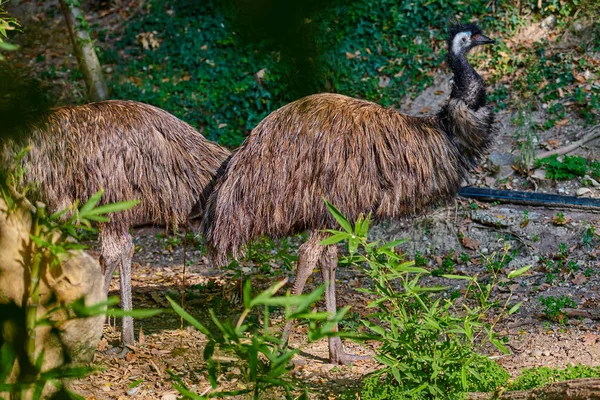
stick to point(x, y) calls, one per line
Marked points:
point(468, 85)
point(465, 118)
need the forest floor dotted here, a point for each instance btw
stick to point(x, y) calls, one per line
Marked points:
point(558, 243)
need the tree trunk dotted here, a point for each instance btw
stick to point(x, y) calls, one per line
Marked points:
point(84, 50)
point(576, 389)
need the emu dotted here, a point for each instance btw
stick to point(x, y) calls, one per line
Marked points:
point(133, 151)
point(360, 156)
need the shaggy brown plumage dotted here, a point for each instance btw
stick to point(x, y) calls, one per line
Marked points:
point(133, 151)
point(129, 149)
point(360, 156)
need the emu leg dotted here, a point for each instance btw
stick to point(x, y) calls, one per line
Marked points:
point(328, 264)
point(117, 251)
point(308, 256)
point(125, 282)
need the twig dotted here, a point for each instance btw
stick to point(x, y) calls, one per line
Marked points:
point(588, 137)
point(576, 389)
point(585, 313)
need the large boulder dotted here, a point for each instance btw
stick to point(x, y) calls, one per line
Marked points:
point(68, 341)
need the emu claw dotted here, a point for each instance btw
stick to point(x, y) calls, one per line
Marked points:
point(117, 352)
point(338, 356)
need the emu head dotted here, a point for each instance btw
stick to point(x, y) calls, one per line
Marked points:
point(462, 38)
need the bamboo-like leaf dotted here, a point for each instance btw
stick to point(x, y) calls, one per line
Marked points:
point(339, 217)
point(518, 272)
point(375, 328)
point(392, 244)
point(92, 201)
point(459, 277)
point(138, 314)
point(111, 208)
point(247, 294)
point(515, 308)
point(336, 238)
point(184, 314)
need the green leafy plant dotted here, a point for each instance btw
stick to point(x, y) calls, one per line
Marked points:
point(6, 24)
point(570, 167)
point(429, 344)
point(541, 376)
point(264, 364)
point(525, 136)
point(589, 235)
point(553, 307)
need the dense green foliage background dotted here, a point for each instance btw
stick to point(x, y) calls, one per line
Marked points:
point(204, 69)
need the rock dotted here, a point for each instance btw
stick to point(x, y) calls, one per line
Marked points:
point(132, 391)
point(78, 276)
point(549, 22)
point(592, 181)
point(539, 174)
point(169, 396)
point(108, 70)
point(499, 159)
point(546, 353)
point(578, 26)
point(299, 362)
point(583, 191)
point(260, 75)
point(587, 321)
point(384, 81)
point(504, 172)
point(535, 353)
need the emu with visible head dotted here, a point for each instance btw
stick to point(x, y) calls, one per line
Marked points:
point(131, 150)
point(360, 156)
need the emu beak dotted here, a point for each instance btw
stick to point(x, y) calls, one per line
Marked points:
point(480, 39)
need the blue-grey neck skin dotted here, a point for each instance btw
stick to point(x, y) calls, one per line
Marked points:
point(468, 86)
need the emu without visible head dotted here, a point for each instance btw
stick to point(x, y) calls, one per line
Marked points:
point(360, 156)
point(132, 151)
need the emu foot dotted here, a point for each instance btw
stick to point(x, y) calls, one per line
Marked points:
point(337, 355)
point(117, 352)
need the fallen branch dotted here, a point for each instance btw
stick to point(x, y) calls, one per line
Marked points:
point(587, 313)
point(590, 134)
point(576, 389)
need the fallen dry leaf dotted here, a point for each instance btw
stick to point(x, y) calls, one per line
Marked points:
point(562, 122)
point(590, 338)
point(425, 109)
point(579, 78)
point(469, 243)
point(579, 279)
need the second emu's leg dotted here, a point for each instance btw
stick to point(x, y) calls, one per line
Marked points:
point(116, 251)
point(308, 256)
point(328, 264)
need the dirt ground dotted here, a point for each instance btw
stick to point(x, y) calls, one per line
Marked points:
point(533, 341)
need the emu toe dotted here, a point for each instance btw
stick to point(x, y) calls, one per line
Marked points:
point(117, 352)
point(337, 355)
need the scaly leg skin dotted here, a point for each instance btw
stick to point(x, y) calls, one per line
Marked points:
point(328, 264)
point(117, 251)
point(308, 256)
point(126, 298)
